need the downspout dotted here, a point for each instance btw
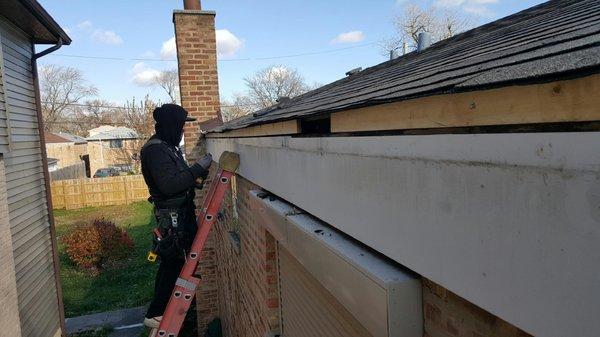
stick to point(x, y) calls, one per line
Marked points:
point(49, 50)
point(38, 103)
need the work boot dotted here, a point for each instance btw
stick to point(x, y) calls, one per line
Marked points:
point(153, 322)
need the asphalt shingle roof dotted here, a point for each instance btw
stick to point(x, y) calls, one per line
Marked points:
point(557, 39)
point(120, 132)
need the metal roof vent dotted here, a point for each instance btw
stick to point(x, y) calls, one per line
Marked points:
point(282, 100)
point(354, 71)
point(424, 41)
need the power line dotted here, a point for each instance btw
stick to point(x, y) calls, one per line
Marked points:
point(110, 58)
point(112, 106)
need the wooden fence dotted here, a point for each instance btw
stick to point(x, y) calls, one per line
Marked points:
point(76, 171)
point(90, 192)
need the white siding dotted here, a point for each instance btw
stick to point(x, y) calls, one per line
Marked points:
point(509, 222)
point(28, 214)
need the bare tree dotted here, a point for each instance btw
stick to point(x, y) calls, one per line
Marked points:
point(269, 84)
point(240, 106)
point(168, 80)
point(264, 88)
point(136, 115)
point(441, 24)
point(61, 87)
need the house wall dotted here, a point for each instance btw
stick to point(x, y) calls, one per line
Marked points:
point(248, 295)
point(498, 219)
point(39, 307)
point(9, 307)
point(67, 153)
point(448, 315)
point(102, 156)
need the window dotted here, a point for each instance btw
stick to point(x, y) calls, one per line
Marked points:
point(116, 143)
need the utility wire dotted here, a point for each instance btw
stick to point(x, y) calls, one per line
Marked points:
point(111, 106)
point(221, 60)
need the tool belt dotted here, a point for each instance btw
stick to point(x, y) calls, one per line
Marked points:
point(174, 233)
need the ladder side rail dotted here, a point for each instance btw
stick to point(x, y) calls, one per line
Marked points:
point(186, 285)
point(221, 182)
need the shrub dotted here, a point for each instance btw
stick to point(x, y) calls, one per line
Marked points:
point(97, 245)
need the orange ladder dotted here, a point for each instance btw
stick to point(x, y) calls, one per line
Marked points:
point(187, 283)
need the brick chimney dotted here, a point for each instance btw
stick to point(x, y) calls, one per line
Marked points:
point(198, 79)
point(199, 88)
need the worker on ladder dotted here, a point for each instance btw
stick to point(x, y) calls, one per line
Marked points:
point(171, 184)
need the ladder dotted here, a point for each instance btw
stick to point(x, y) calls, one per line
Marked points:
point(188, 282)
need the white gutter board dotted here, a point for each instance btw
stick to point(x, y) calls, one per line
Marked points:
point(510, 222)
point(384, 297)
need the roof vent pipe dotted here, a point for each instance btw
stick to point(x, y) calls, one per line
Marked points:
point(393, 54)
point(192, 4)
point(354, 71)
point(424, 41)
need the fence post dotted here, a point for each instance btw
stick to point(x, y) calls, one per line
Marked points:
point(83, 193)
point(125, 189)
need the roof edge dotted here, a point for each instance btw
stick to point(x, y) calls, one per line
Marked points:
point(46, 20)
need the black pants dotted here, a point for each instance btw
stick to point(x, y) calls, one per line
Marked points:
point(169, 269)
point(167, 274)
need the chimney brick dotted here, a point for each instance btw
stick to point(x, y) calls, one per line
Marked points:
point(198, 77)
point(199, 89)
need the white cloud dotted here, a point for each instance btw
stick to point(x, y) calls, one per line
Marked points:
point(106, 37)
point(475, 7)
point(483, 2)
point(85, 25)
point(482, 11)
point(227, 43)
point(149, 54)
point(143, 75)
point(349, 37)
point(169, 49)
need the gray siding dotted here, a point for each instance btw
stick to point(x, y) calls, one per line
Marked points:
point(28, 214)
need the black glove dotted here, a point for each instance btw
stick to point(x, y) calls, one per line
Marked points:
point(200, 167)
point(205, 161)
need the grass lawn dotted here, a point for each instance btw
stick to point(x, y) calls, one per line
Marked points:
point(127, 287)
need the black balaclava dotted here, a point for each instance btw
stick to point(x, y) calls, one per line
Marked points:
point(169, 123)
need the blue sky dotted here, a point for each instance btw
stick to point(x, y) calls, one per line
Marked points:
point(130, 30)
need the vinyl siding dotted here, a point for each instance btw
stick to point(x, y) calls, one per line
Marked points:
point(307, 308)
point(27, 208)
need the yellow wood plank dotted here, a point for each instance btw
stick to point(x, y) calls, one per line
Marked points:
point(562, 101)
point(271, 129)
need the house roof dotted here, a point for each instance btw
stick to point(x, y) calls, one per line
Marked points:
point(107, 132)
point(63, 137)
point(33, 19)
point(554, 40)
point(73, 138)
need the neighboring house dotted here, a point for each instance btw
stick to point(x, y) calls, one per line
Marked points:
point(30, 301)
point(110, 146)
point(67, 148)
point(53, 164)
point(453, 191)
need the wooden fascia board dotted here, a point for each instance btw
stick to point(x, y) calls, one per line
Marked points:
point(575, 100)
point(272, 129)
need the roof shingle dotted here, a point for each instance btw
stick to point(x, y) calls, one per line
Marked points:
point(560, 38)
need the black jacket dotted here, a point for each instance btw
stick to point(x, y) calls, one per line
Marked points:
point(165, 171)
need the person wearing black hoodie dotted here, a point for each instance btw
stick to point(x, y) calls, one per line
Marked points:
point(171, 182)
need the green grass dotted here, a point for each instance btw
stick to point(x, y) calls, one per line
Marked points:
point(102, 332)
point(114, 289)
